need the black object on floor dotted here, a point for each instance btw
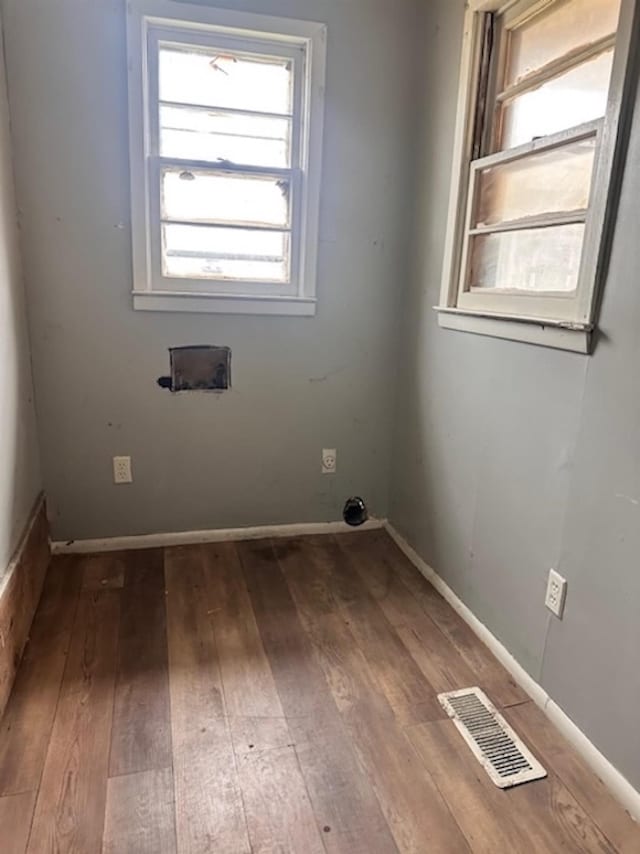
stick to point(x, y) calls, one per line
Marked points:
point(355, 512)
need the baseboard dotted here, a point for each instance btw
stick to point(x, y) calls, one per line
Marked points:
point(188, 538)
point(20, 593)
point(617, 784)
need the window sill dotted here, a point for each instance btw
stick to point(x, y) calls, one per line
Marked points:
point(210, 304)
point(544, 333)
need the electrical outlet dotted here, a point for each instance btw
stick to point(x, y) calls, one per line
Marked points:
point(329, 461)
point(556, 593)
point(122, 470)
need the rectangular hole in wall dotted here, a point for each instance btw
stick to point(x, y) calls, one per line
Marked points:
point(201, 368)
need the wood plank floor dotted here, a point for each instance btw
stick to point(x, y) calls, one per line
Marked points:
point(270, 697)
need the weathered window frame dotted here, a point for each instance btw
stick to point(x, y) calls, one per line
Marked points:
point(304, 43)
point(556, 321)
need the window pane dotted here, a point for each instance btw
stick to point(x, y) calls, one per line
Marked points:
point(206, 197)
point(200, 252)
point(191, 75)
point(578, 96)
point(540, 259)
point(559, 29)
point(245, 139)
point(548, 182)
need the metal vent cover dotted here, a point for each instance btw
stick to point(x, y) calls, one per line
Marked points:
point(494, 744)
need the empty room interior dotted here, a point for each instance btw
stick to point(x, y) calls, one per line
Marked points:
point(319, 427)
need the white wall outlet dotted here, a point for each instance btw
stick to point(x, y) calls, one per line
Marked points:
point(556, 593)
point(122, 470)
point(329, 461)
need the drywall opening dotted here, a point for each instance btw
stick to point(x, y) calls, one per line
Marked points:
point(198, 368)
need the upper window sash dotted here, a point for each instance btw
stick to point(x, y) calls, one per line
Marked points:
point(500, 92)
point(182, 35)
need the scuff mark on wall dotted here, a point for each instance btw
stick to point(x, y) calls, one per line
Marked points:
point(326, 376)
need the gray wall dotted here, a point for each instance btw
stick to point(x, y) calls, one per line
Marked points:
point(510, 459)
point(252, 456)
point(19, 465)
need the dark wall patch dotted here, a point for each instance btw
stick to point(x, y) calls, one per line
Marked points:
point(201, 368)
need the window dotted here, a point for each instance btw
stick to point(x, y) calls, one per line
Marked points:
point(225, 131)
point(539, 148)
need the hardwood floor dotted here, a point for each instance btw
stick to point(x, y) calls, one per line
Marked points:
point(270, 697)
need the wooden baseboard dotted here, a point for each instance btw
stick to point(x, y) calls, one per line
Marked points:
point(19, 595)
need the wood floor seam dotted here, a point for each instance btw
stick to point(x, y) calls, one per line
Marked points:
point(240, 792)
point(165, 593)
point(116, 681)
point(469, 841)
point(231, 736)
point(321, 828)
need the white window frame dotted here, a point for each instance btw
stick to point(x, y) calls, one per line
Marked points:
point(551, 320)
point(305, 43)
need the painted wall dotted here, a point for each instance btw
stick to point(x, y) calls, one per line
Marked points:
point(510, 459)
point(252, 456)
point(19, 465)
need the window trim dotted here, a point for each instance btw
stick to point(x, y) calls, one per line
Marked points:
point(152, 291)
point(577, 330)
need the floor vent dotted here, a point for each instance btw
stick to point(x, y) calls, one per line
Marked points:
point(492, 741)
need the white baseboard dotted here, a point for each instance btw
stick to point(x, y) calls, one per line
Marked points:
point(617, 784)
point(187, 538)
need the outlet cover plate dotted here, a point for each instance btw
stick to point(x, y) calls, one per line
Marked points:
point(122, 470)
point(329, 461)
point(556, 593)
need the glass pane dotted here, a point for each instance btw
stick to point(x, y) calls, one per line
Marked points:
point(578, 96)
point(200, 252)
point(193, 75)
point(556, 31)
point(244, 139)
point(548, 182)
point(536, 259)
point(207, 197)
